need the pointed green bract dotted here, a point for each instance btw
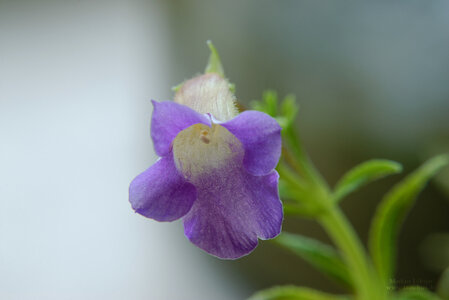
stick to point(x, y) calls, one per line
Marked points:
point(284, 111)
point(270, 99)
point(268, 104)
point(289, 109)
point(324, 257)
point(391, 213)
point(214, 65)
point(177, 87)
point(364, 173)
point(290, 292)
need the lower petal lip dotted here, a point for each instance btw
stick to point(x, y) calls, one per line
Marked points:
point(233, 210)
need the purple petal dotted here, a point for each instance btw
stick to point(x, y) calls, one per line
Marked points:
point(233, 208)
point(169, 118)
point(260, 135)
point(161, 193)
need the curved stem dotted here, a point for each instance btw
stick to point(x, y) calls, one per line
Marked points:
point(300, 160)
point(366, 281)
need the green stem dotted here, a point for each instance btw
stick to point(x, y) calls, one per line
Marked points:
point(367, 284)
point(290, 176)
point(301, 161)
point(366, 281)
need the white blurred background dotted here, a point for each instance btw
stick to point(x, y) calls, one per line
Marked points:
point(76, 79)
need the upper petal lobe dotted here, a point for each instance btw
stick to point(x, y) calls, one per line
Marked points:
point(161, 193)
point(260, 135)
point(168, 119)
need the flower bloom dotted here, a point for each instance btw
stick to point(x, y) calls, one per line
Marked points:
point(215, 171)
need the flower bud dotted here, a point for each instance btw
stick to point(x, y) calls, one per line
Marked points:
point(208, 93)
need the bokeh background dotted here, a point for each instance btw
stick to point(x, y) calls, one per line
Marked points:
point(76, 79)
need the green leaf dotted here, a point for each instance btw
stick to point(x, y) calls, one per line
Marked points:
point(392, 211)
point(362, 174)
point(324, 257)
point(415, 293)
point(270, 102)
point(443, 285)
point(289, 109)
point(287, 112)
point(302, 210)
point(214, 65)
point(289, 191)
point(294, 293)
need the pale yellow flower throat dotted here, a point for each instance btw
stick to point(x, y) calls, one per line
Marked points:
point(200, 149)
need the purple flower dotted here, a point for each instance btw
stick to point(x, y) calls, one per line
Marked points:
point(217, 176)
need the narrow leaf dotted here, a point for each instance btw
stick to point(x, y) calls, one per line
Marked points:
point(324, 257)
point(289, 107)
point(301, 210)
point(294, 293)
point(362, 174)
point(289, 110)
point(268, 104)
point(392, 211)
point(270, 100)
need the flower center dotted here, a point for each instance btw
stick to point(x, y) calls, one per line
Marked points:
point(201, 150)
point(204, 136)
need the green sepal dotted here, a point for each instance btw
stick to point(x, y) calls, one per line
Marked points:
point(289, 109)
point(268, 104)
point(392, 211)
point(284, 112)
point(214, 65)
point(291, 292)
point(322, 256)
point(177, 87)
point(364, 173)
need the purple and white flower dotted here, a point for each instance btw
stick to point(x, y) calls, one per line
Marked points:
point(215, 171)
